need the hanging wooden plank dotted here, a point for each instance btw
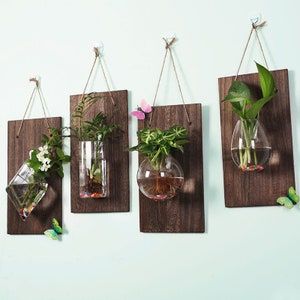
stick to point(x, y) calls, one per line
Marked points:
point(184, 212)
point(116, 152)
point(263, 188)
point(18, 150)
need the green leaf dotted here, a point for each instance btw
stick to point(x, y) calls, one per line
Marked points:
point(60, 153)
point(293, 195)
point(266, 81)
point(51, 233)
point(238, 90)
point(56, 226)
point(254, 110)
point(60, 172)
point(67, 159)
point(286, 202)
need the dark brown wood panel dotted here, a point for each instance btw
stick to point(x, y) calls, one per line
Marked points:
point(116, 152)
point(184, 212)
point(18, 151)
point(259, 189)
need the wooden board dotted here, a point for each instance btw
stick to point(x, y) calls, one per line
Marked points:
point(259, 189)
point(18, 151)
point(116, 153)
point(184, 212)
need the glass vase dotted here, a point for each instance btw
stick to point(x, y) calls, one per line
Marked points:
point(250, 148)
point(92, 170)
point(25, 191)
point(160, 181)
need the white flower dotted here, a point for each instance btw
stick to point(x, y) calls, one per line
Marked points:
point(40, 156)
point(46, 161)
point(45, 149)
point(44, 168)
point(45, 164)
point(30, 154)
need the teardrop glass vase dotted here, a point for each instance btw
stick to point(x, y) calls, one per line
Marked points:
point(250, 148)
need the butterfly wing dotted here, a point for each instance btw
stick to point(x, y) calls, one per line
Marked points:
point(138, 114)
point(56, 226)
point(145, 106)
point(51, 233)
point(286, 202)
point(293, 195)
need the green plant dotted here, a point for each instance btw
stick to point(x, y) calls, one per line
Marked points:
point(50, 157)
point(96, 129)
point(239, 95)
point(157, 144)
point(248, 109)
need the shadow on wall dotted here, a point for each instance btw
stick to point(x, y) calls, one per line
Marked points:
point(295, 111)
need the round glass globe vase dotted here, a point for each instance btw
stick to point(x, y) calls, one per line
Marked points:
point(161, 180)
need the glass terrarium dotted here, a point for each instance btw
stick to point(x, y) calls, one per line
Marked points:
point(25, 191)
point(250, 148)
point(92, 170)
point(162, 180)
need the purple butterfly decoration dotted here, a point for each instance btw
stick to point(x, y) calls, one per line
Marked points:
point(142, 110)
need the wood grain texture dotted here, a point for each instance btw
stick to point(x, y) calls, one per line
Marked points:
point(184, 212)
point(116, 153)
point(18, 150)
point(259, 189)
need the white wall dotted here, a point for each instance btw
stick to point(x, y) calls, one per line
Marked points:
point(250, 253)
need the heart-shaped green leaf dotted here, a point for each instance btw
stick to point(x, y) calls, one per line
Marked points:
point(266, 81)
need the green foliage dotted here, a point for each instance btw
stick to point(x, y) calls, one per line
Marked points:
point(53, 158)
point(157, 144)
point(95, 173)
point(239, 95)
point(96, 129)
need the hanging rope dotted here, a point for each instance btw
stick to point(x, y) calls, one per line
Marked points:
point(97, 57)
point(168, 49)
point(254, 28)
point(35, 90)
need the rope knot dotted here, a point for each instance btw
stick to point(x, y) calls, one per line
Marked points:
point(96, 50)
point(256, 25)
point(169, 44)
point(34, 80)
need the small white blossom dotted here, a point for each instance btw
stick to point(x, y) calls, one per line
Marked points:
point(44, 167)
point(45, 149)
point(46, 161)
point(30, 154)
point(40, 156)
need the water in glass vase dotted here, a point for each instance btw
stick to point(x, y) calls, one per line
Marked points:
point(162, 181)
point(250, 148)
point(160, 188)
point(251, 159)
point(25, 192)
point(92, 170)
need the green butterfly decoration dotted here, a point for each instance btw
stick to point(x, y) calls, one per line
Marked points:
point(55, 231)
point(291, 199)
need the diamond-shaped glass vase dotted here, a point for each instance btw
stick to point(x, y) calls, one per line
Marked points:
point(25, 192)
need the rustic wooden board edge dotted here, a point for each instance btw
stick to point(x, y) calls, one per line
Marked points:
point(285, 74)
point(88, 209)
point(202, 222)
point(10, 207)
